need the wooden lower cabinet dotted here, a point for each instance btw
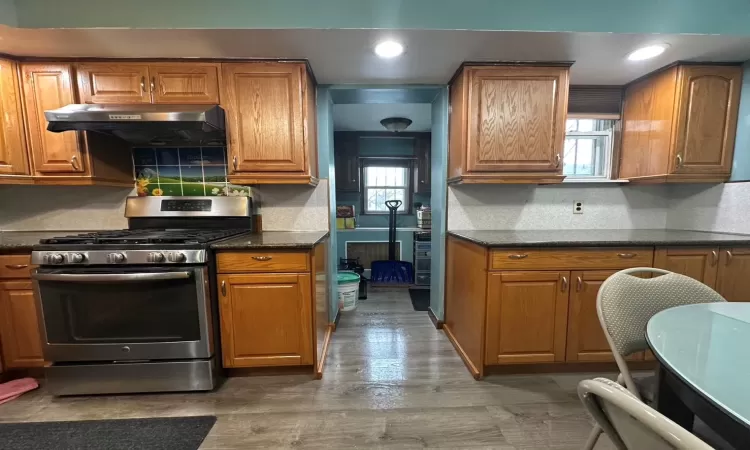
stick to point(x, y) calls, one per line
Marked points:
point(266, 320)
point(274, 307)
point(19, 327)
point(733, 277)
point(526, 315)
point(698, 263)
point(586, 340)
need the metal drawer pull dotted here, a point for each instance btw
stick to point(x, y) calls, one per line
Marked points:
point(234, 162)
point(74, 162)
point(16, 266)
point(224, 288)
point(518, 256)
point(153, 84)
point(557, 160)
point(715, 257)
point(729, 257)
point(565, 284)
point(679, 161)
point(143, 84)
point(100, 277)
point(626, 255)
point(579, 284)
point(262, 258)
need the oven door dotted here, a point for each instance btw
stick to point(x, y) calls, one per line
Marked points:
point(90, 314)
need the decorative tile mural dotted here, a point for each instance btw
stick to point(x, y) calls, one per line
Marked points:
point(184, 171)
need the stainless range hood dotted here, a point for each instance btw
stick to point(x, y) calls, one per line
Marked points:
point(146, 125)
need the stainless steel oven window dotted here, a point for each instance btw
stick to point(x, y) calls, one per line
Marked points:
point(133, 313)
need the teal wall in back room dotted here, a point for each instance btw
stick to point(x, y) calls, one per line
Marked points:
point(634, 16)
point(8, 13)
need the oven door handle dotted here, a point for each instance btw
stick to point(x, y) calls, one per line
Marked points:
point(104, 277)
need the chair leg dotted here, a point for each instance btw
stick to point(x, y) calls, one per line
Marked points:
point(593, 438)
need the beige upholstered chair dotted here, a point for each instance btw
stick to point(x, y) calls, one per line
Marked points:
point(630, 423)
point(625, 304)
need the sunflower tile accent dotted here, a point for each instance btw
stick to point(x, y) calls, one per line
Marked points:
point(188, 171)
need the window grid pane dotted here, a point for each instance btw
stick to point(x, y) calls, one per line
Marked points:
point(385, 183)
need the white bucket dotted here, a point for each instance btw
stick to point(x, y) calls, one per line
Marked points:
point(348, 294)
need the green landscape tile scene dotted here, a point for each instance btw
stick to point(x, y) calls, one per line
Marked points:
point(190, 171)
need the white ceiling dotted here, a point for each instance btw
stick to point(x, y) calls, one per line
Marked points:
point(345, 56)
point(361, 117)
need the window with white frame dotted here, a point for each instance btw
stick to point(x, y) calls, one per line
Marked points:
point(383, 181)
point(588, 148)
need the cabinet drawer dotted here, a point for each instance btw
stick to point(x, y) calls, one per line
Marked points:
point(591, 258)
point(273, 261)
point(15, 266)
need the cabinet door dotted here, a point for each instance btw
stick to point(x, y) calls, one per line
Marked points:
point(346, 158)
point(263, 103)
point(19, 328)
point(707, 119)
point(122, 83)
point(13, 157)
point(586, 340)
point(423, 179)
point(266, 320)
point(526, 317)
point(733, 281)
point(698, 263)
point(185, 83)
point(517, 119)
point(45, 87)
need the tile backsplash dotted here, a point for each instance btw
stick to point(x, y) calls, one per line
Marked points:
point(184, 171)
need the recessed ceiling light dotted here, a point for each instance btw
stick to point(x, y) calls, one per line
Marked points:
point(389, 49)
point(647, 52)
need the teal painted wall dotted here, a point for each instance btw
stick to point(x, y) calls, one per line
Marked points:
point(439, 157)
point(8, 13)
point(635, 16)
point(741, 161)
point(325, 170)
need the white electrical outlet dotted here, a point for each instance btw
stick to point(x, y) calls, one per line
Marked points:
point(578, 208)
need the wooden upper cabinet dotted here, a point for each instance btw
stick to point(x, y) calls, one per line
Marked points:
point(679, 124)
point(266, 320)
point(507, 124)
point(698, 263)
point(114, 83)
point(13, 155)
point(346, 156)
point(733, 279)
point(270, 111)
point(526, 317)
point(20, 339)
point(706, 120)
point(45, 87)
point(188, 83)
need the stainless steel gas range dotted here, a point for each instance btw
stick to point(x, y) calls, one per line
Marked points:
point(134, 310)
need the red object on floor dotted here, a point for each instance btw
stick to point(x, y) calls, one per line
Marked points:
point(14, 389)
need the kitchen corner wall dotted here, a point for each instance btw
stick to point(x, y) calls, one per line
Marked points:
point(294, 208)
point(519, 207)
point(720, 207)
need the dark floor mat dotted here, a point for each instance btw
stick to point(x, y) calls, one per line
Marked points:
point(163, 433)
point(420, 299)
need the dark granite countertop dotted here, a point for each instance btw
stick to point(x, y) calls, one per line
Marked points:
point(272, 239)
point(23, 240)
point(597, 238)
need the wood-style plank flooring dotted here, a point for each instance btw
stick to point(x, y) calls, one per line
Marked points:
point(391, 381)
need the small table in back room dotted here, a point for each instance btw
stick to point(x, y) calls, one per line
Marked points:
point(704, 366)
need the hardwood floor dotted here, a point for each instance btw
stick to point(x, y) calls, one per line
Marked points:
point(391, 381)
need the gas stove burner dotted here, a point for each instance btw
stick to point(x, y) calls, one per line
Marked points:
point(147, 236)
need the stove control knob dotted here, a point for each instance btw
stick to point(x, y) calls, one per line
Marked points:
point(56, 258)
point(114, 258)
point(77, 258)
point(155, 257)
point(177, 257)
